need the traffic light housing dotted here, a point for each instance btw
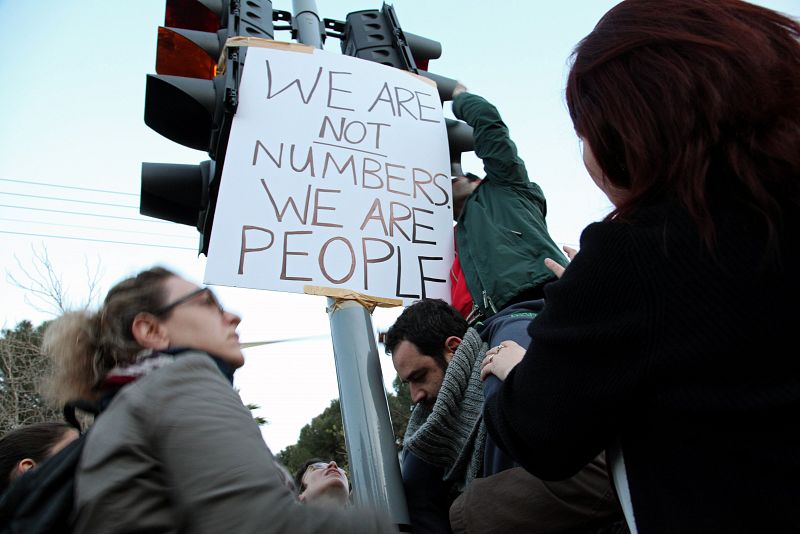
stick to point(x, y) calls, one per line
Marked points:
point(191, 102)
point(176, 192)
point(376, 35)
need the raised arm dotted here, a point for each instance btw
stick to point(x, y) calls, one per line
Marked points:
point(492, 141)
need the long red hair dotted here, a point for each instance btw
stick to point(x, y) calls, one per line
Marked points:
point(685, 99)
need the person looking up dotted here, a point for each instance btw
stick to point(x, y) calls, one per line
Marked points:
point(174, 449)
point(323, 483)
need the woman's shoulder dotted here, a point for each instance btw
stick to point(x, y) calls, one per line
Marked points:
point(191, 359)
point(189, 369)
point(179, 375)
point(631, 254)
point(607, 238)
point(655, 225)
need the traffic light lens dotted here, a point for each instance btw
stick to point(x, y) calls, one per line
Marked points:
point(191, 15)
point(175, 193)
point(178, 56)
point(180, 109)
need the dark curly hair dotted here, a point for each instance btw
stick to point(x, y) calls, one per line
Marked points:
point(427, 324)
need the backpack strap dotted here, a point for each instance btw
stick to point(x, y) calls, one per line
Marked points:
point(85, 406)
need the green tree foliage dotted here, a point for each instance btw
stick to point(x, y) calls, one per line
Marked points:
point(399, 409)
point(323, 437)
point(22, 366)
point(258, 419)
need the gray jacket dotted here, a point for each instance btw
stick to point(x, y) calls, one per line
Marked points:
point(177, 451)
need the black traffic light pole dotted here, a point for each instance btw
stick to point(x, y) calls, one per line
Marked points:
point(365, 411)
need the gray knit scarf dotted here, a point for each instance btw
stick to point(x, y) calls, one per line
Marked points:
point(451, 434)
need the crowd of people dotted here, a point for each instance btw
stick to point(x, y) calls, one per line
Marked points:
point(643, 383)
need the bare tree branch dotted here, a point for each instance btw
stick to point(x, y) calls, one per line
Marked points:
point(41, 295)
point(94, 273)
point(22, 365)
point(44, 286)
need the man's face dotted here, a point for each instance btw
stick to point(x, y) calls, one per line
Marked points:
point(422, 372)
point(462, 189)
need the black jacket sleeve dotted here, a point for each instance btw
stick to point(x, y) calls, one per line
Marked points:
point(568, 397)
point(428, 496)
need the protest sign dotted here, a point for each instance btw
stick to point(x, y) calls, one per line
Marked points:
point(336, 175)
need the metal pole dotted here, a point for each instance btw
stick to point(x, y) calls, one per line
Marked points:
point(368, 428)
point(306, 23)
point(365, 412)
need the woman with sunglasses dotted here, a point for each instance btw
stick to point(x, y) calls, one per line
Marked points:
point(174, 449)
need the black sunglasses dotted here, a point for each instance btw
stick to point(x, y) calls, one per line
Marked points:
point(212, 299)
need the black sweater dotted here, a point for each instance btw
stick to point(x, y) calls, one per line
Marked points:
point(688, 360)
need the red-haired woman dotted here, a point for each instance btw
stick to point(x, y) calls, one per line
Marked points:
point(670, 340)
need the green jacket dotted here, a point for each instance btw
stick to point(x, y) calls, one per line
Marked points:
point(501, 235)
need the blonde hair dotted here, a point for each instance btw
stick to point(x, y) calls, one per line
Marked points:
point(84, 346)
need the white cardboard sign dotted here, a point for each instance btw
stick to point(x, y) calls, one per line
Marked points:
point(336, 175)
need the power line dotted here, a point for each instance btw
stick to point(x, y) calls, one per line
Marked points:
point(98, 240)
point(69, 200)
point(95, 228)
point(70, 187)
point(85, 214)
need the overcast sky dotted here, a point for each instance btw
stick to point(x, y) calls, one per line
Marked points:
point(72, 105)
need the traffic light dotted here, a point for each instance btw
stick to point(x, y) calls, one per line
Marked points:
point(174, 192)
point(190, 102)
point(375, 35)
